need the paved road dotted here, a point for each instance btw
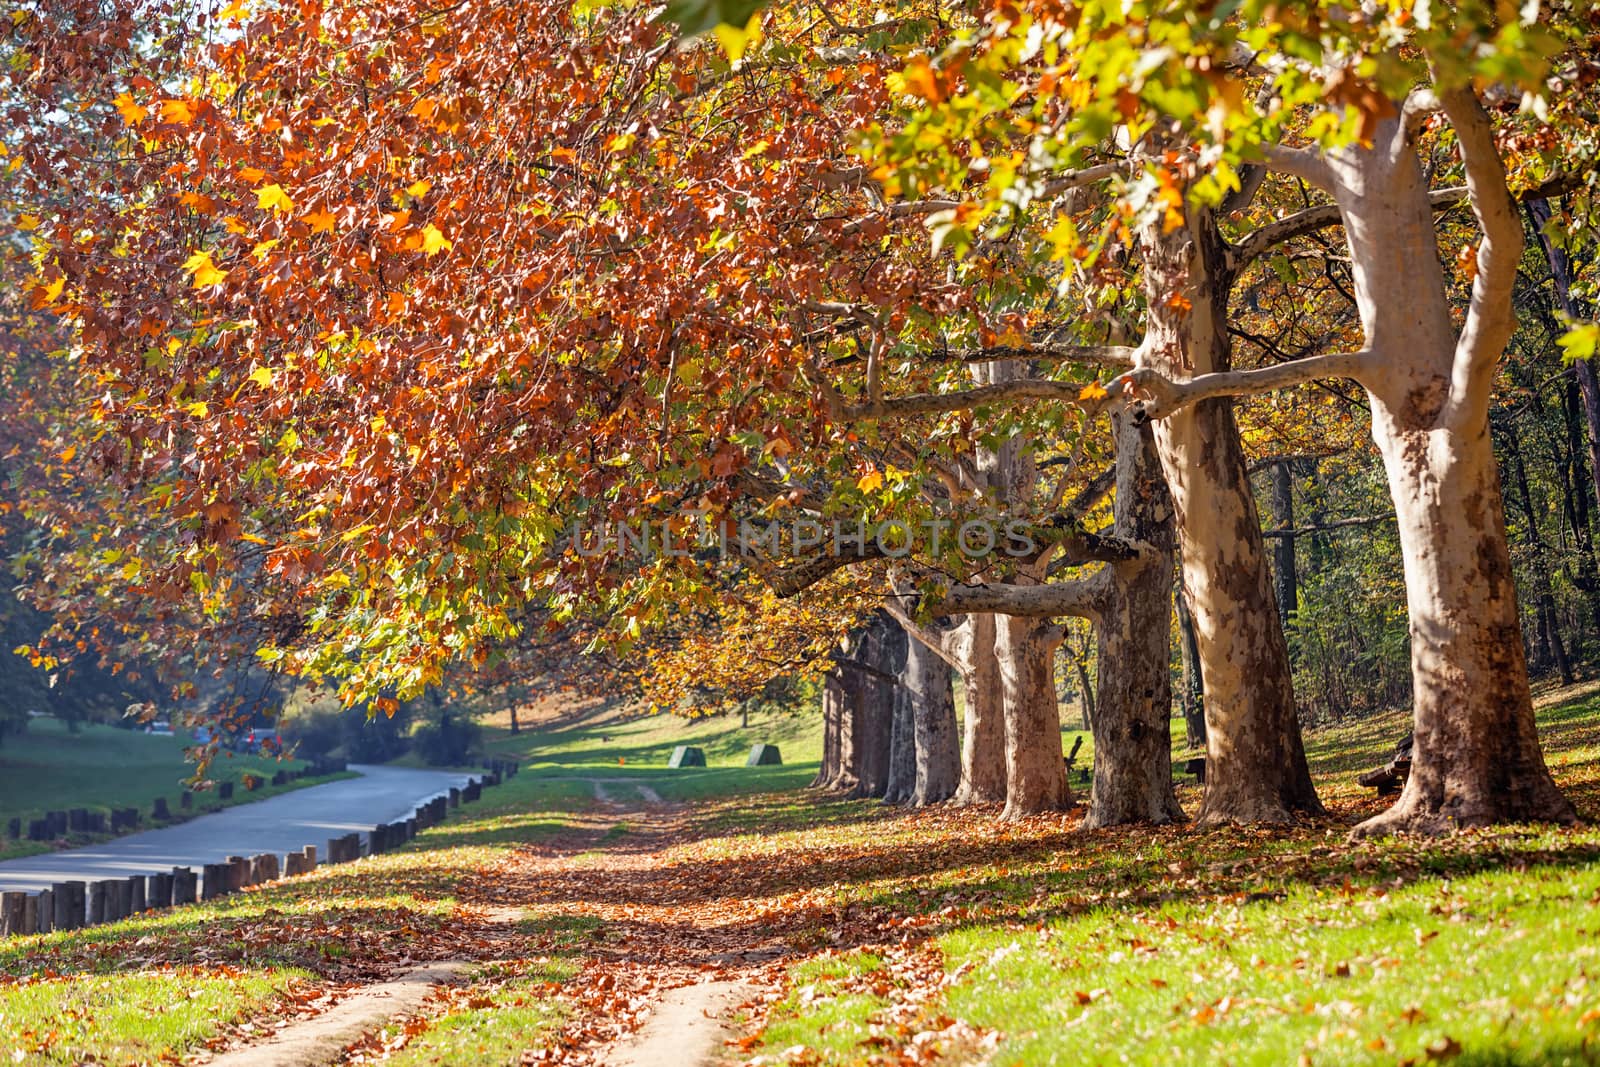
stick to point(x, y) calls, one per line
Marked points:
point(280, 824)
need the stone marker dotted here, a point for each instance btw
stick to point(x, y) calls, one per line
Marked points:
point(763, 756)
point(687, 756)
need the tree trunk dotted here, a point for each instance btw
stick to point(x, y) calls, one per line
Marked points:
point(1133, 714)
point(1476, 757)
point(1255, 763)
point(902, 778)
point(937, 770)
point(1553, 649)
point(1036, 778)
point(1193, 696)
point(837, 706)
point(1085, 686)
point(1583, 369)
point(1285, 578)
point(858, 710)
point(983, 749)
point(515, 727)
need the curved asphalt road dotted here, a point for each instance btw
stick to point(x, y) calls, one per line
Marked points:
point(283, 823)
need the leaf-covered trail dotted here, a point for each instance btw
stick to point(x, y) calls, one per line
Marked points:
point(667, 962)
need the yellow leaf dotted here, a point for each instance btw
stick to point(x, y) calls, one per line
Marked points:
point(319, 221)
point(1092, 391)
point(736, 41)
point(273, 197)
point(419, 188)
point(261, 249)
point(434, 241)
point(262, 376)
point(179, 111)
point(235, 12)
point(68, 452)
point(199, 409)
point(131, 112)
point(204, 270)
point(869, 481)
point(52, 292)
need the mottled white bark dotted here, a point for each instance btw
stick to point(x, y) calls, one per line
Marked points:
point(983, 745)
point(1476, 759)
point(1255, 761)
point(1133, 705)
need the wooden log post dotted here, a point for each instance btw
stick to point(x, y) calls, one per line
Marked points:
point(214, 881)
point(455, 798)
point(97, 903)
point(14, 829)
point(158, 891)
point(12, 906)
point(70, 905)
point(160, 810)
point(136, 901)
point(47, 911)
point(39, 830)
point(183, 886)
point(264, 868)
point(238, 873)
point(97, 822)
point(186, 800)
point(31, 907)
point(310, 854)
point(225, 791)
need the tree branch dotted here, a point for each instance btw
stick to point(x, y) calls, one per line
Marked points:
point(1336, 524)
point(1080, 598)
point(1258, 242)
point(1304, 163)
point(1161, 396)
point(1490, 317)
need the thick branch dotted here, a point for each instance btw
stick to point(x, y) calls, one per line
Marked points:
point(1490, 318)
point(1304, 163)
point(1258, 242)
point(1080, 598)
point(1161, 396)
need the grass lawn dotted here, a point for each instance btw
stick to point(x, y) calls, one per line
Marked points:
point(101, 767)
point(883, 936)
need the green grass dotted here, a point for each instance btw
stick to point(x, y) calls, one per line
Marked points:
point(133, 1017)
point(648, 740)
point(102, 767)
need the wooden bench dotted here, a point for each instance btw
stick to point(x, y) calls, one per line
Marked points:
point(1392, 776)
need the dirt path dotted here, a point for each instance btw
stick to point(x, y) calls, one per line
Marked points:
point(323, 1038)
point(686, 1027)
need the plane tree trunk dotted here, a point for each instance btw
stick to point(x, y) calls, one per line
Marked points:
point(1256, 768)
point(1476, 759)
point(1133, 709)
